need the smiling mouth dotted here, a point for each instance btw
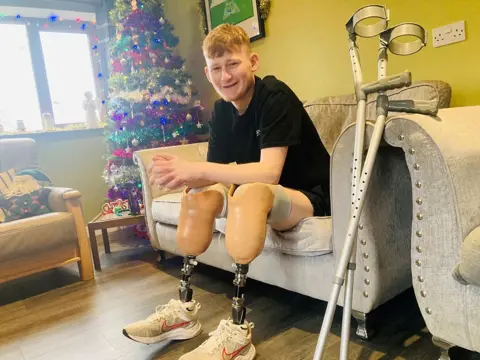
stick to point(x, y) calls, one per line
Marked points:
point(229, 86)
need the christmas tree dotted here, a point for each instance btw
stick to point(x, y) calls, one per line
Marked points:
point(151, 96)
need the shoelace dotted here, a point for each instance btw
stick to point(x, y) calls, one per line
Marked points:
point(221, 335)
point(168, 311)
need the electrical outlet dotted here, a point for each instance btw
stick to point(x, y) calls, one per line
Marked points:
point(449, 34)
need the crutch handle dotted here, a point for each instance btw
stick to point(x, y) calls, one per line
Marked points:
point(389, 83)
point(414, 106)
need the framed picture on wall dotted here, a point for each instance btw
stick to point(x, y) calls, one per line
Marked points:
point(244, 13)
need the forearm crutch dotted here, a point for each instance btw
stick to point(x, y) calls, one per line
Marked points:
point(361, 172)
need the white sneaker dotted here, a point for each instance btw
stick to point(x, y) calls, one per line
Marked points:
point(173, 321)
point(227, 342)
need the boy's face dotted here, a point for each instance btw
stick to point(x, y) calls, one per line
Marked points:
point(232, 74)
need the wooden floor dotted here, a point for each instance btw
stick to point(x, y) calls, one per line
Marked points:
point(53, 315)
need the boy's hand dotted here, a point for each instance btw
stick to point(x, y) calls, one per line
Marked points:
point(171, 172)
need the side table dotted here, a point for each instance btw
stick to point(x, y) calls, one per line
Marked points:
point(104, 222)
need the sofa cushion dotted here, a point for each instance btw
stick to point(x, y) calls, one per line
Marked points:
point(311, 237)
point(467, 270)
point(332, 114)
point(36, 234)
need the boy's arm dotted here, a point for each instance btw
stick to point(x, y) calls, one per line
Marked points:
point(267, 170)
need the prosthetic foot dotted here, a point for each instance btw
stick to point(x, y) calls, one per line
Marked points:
point(197, 218)
point(233, 337)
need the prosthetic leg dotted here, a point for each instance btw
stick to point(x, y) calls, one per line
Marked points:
point(250, 208)
point(361, 172)
point(196, 224)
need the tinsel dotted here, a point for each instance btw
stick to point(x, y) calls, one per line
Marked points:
point(121, 175)
point(153, 80)
point(263, 4)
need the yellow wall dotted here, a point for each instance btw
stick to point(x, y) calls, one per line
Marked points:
point(306, 45)
point(75, 160)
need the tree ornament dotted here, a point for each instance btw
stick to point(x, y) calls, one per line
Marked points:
point(134, 5)
point(161, 21)
point(177, 82)
point(189, 117)
point(135, 142)
point(189, 82)
point(167, 60)
point(123, 62)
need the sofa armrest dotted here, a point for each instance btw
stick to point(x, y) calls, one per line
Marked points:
point(58, 196)
point(383, 236)
point(443, 158)
point(192, 152)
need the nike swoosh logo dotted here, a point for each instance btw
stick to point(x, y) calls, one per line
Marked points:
point(233, 355)
point(166, 327)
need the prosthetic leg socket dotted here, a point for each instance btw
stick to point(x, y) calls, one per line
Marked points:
point(197, 219)
point(246, 227)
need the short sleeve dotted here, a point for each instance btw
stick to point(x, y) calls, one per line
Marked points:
point(280, 121)
point(218, 147)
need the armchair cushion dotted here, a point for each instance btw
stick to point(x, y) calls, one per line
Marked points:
point(21, 197)
point(467, 270)
point(36, 234)
point(311, 237)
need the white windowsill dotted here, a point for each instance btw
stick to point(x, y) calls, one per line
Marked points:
point(59, 134)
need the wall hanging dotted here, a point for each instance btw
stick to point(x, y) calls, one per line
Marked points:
point(249, 14)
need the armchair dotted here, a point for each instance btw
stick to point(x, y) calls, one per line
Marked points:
point(43, 242)
point(443, 159)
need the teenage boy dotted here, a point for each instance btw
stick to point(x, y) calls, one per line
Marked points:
point(264, 146)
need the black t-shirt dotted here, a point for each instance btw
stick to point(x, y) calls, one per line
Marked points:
point(274, 118)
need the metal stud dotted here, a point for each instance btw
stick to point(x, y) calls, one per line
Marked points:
point(418, 263)
point(363, 242)
point(423, 293)
point(420, 216)
point(421, 278)
point(428, 310)
point(411, 151)
point(365, 255)
point(419, 201)
point(365, 294)
point(360, 226)
point(419, 248)
point(367, 282)
point(416, 166)
point(367, 269)
point(418, 184)
point(401, 137)
point(419, 233)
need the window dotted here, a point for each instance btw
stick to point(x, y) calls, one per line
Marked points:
point(44, 70)
point(18, 93)
point(69, 72)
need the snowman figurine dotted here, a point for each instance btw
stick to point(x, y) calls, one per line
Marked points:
point(90, 110)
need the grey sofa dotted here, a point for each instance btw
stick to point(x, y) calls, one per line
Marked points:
point(303, 259)
point(443, 169)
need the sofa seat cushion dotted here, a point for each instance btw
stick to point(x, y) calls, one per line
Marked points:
point(467, 270)
point(311, 237)
point(36, 234)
